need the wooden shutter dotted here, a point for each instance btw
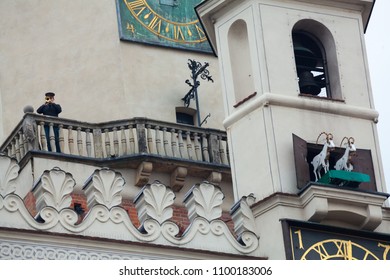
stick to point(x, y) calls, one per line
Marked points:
point(362, 162)
point(302, 169)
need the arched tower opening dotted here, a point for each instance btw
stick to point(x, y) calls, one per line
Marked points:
point(316, 60)
point(240, 58)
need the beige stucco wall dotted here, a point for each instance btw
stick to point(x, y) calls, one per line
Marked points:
point(73, 49)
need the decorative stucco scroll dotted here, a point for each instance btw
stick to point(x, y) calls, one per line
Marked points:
point(106, 217)
point(9, 169)
point(242, 216)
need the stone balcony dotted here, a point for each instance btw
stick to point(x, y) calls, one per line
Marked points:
point(140, 144)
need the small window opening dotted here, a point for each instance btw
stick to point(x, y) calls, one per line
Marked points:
point(185, 115)
point(311, 65)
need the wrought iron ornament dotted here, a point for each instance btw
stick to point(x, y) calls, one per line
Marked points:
point(197, 69)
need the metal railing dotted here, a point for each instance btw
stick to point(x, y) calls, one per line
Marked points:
point(116, 138)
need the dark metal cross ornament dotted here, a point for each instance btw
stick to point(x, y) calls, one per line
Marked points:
point(197, 69)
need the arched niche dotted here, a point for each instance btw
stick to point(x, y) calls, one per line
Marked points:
point(240, 58)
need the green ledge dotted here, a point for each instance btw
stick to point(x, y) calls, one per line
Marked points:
point(344, 178)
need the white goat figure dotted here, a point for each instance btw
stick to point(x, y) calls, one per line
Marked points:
point(344, 163)
point(321, 161)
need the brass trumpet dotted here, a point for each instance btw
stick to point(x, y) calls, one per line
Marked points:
point(47, 100)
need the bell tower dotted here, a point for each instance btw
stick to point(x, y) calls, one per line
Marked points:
point(300, 116)
point(291, 68)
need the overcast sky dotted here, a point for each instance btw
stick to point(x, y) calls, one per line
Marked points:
point(378, 51)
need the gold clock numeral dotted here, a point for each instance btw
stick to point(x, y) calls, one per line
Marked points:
point(387, 249)
point(155, 24)
point(130, 27)
point(200, 31)
point(299, 233)
point(320, 249)
point(137, 6)
point(178, 33)
point(344, 248)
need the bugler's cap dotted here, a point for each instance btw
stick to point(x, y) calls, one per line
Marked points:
point(49, 94)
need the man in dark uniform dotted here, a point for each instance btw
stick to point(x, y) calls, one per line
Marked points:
point(50, 108)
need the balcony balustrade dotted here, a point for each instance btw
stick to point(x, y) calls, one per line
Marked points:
point(136, 136)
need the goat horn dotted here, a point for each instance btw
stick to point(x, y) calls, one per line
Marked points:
point(345, 137)
point(320, 136)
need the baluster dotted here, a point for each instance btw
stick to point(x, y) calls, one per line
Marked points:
point(13, 149)
point(61, 137)
point(13, 153)
point(205, 148)
point(21, 145)
point(131, 140)
point(213, 147)
point(222, 153)
point(198, 152)
point(141, 137)
point(116, 141)
point(189, 145)
point(70, 140)
point(97, 143)
point(175, 152)
point(107, 143)
point(88, 142)
point(52, 137)
point(150, 139)
point(181, 145)
point(43, 136)
point(167, 150)
point(123, 141)
point(25, 144)
point(79, 142)
point(17, 148)
point(9, 150)
point(160, 150)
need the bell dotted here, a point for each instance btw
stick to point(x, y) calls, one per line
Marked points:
point(304, 56)
point(307, 84)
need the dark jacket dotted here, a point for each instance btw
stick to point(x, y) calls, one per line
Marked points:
point(50, 109)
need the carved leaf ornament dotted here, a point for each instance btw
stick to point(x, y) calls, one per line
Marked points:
point(107, 185)
point(58, 186)
point(155, 201)
point(205, 200)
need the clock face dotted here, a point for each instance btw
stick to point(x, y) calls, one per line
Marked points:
point(308, 241)
point(169, 23)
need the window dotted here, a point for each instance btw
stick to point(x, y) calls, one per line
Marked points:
point(185, 115)
point(184, 118)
